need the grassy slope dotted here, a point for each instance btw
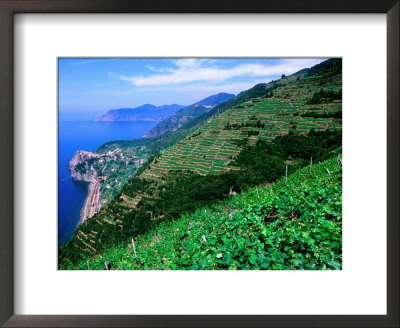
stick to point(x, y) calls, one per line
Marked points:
point(293, 225)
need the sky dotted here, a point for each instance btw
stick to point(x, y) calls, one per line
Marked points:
point(89, 87)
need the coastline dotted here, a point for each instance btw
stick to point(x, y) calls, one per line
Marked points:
point(75, 179)
point(91, 205)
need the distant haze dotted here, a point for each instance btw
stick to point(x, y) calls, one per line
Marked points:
point(145, 112)
point(89, 87)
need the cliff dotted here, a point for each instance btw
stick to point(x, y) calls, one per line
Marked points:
point(81, 167)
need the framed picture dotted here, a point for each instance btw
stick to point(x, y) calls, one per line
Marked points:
point(183, 164)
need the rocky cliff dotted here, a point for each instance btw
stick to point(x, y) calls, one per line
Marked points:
point(81, 167)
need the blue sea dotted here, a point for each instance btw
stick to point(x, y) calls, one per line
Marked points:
point(84, 135)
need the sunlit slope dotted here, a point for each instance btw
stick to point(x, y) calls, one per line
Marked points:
point(213, 146)
point(287, 226)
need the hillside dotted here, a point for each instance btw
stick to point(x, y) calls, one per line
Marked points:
point(281, 124)
point(329, 67)
point(187, 114)
point(142, 113)
point(285, 226)
point(117, 161)
point(214, 145)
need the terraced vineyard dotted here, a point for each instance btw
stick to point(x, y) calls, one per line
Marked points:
point(213, 147)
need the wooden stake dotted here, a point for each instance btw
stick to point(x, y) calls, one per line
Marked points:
point(311, 164)
point(106, 265)
point(87, 262)
point(329, 173)
point(286, 175)
point(339, 162)
point(133, 246)
point(258, 196)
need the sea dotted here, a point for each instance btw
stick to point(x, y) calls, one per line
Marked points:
point(84, 135)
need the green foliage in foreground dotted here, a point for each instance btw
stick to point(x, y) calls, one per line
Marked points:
point(286, 226)
point(183, 192)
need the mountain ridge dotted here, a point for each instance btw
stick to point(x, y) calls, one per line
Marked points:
point(146, 112)
point(186, 114)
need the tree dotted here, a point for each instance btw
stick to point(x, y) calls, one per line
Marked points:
point(283, 76)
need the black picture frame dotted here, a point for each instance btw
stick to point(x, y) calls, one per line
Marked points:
point(10, 7)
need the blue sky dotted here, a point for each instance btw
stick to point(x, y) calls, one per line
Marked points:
point(88, 87)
